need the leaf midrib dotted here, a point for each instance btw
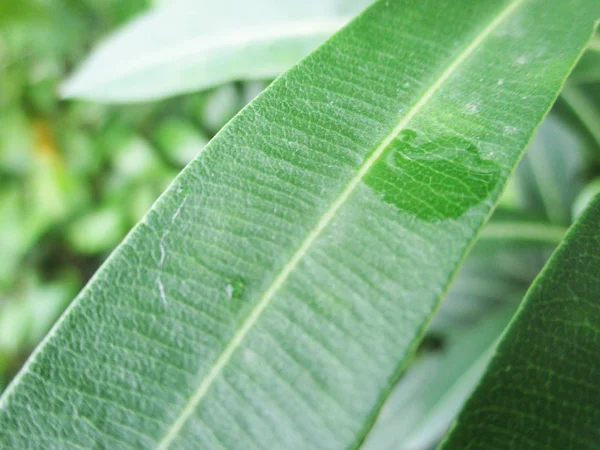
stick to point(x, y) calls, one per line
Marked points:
point(325, 220)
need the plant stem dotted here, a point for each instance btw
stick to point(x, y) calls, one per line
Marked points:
point(524, 231)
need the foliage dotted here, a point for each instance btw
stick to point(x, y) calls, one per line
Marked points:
point(276, 292)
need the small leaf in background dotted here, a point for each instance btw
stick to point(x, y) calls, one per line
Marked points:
point(13, 238)
point(28, 312)
point(179, 141)
point(80, 153)
point(581, 102)
point(136, 160)
point(97, 231)
point(541, 388)
point(17, 142)
point(53, 191)
point(188, 46)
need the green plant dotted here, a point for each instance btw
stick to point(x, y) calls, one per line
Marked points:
point(275, 293)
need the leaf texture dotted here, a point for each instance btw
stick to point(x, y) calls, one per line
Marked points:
point(272, 296)
point(541, 388)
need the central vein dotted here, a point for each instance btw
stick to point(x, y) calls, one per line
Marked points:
point(325, 220)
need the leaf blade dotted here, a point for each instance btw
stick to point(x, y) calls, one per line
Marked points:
point(324, 222)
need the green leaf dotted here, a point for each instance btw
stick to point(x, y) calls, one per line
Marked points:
point(179, 140)
point(31, 310)
point(97, 231)
point(188, 46)
point(275, 292)
point(541, 388)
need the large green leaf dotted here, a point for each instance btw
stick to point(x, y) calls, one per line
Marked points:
point(272, 296)
point(184, 46)
point(541, 389)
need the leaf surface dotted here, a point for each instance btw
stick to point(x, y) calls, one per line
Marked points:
point(272, 296)
point(186, 46)
point(541, 388)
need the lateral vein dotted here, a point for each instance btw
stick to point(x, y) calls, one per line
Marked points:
point(325, 220)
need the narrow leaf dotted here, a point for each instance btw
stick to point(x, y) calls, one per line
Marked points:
point(541, 389)
point(188, 46)
point(272, 296)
